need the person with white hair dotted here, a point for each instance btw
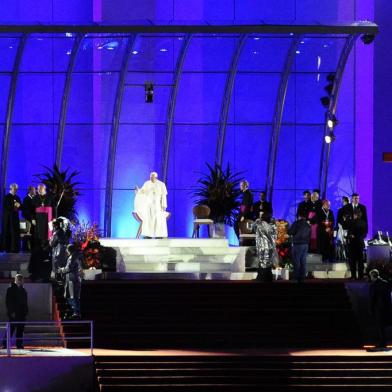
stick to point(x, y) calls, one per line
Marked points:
point(150, 205)
point(11, 226)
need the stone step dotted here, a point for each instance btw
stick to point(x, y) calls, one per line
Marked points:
point(167, 250)
point(173, 275)
point(165, 242)
point(183, 258)
point(177, 266)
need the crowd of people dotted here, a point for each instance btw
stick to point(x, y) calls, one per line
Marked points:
point(315, 230)
point(52, 256)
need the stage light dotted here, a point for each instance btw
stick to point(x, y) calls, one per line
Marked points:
point(328, 88)
point(149, 92)
point(325, 101)
point(329, 138)
point(367, 38)
point(331, 77)
point(135, 52)
point(332, 121)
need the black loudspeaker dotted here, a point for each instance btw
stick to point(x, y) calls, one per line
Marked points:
point(149, 92)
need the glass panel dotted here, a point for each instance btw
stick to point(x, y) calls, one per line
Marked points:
point(85, 149)
point(23, 160)
point(38, 98)
point(104, 53)
point(92, 97)
point(139, 151)
point(197, 142)
point(255, 96)
point(246, 150)
point(265, 54)
point(199, 98)
point(151, 53)
point(318, 54)
point(5, 81)
point(8, 48)
point(209, 53)
point(46, 53)
point(155, 77)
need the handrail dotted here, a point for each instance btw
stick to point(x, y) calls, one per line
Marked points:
point(88, 337)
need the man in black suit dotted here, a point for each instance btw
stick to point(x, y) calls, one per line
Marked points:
point(28, 213)
point(17, 309)
point(354, 206)
point(380, 307)
point(305, 205)
point(262, 206)
point(245, 206)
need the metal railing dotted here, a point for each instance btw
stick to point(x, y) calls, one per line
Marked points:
point(57, 336)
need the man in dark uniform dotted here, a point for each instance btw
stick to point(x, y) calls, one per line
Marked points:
point(305, 206)
point(17, 309)
point(357, 229)
point(28, 212)
point(349, 210)
point(262, 206)
point(380, 307)
point(245, 206)
point(11, 225)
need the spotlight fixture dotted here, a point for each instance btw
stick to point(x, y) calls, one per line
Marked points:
point(329, 138)
point(331, 77)
point(325, 101)
point(332, 121)
point(149, 92)
point(328, 88)
point(367, 38)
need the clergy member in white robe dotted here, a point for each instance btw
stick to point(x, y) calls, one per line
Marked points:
point(150, 205)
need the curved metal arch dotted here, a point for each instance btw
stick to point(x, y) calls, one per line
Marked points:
point(172, 105)
point(225, 106)
point(10, 112)
point(326, 150)
point(65, 99)
point(278, 114)
point(113, 136)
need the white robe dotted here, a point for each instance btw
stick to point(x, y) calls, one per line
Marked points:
point(150, 204)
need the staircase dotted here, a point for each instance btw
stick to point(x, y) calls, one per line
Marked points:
point(244, 373)
point(216, 314)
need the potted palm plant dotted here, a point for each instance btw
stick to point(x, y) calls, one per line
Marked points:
point(219, 189)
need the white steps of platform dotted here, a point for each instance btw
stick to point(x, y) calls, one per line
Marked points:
point(180, 267)
point(173, 275)
point(165, 242)
point(168, 250)
point(185, 258)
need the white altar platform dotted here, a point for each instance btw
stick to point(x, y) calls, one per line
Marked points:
point(187, 258)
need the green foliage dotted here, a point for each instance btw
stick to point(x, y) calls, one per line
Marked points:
point(219, 190)
point(60, 184)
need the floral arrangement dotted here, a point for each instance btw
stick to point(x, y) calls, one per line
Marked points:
point(283, 245)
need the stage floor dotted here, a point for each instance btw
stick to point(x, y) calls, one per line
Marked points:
point(46, 352)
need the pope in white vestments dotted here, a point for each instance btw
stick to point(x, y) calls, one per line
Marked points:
point(150, 205)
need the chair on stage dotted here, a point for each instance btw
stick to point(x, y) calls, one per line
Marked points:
point(201, 215)
point(139, 220)
point(247, 236)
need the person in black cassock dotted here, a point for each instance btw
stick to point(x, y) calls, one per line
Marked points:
point(356, 233)
point(325, 228)
point(245, 206)
point(28, 212)
point(380, 307)
point(262, 206)
point(41, 219)
point(17, 309)
point(11, 225)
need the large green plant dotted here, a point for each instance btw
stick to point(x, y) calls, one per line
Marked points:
point(219, 189)
point(60, 184)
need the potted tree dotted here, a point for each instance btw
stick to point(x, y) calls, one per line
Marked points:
point(219, 189)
